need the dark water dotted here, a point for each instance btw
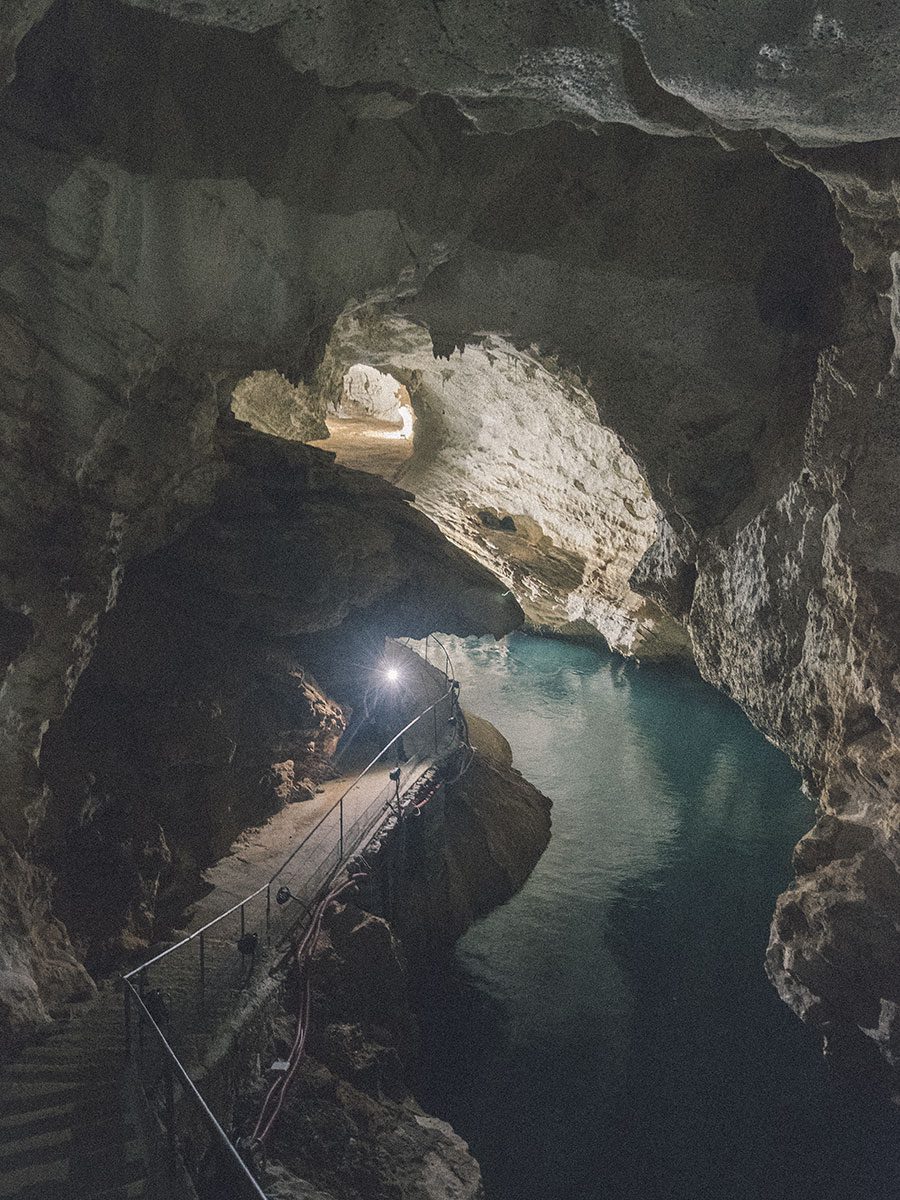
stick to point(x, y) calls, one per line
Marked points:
point(610, 1032)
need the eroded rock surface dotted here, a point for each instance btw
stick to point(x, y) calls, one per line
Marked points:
point(510, 459)
point(821, 75)
point(186, 201)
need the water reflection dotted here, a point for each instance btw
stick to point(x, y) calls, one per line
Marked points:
point(610, 1031)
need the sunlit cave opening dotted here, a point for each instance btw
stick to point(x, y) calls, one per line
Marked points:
point(510, 458)
point(371, 425)
point(504, 452)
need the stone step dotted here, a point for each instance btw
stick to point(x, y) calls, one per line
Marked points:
point(91, 1074)
point(109, 1167)
point(87, 1167)
point(128, 1191)
point(34, 1176)
point(24, 1097)
point(45, 1112)
point(107, 1028)
point(35, 1151)
point(40, 1056)
point(68, 1044)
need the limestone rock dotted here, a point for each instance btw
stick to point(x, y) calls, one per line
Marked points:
point(471, 850)
point(185, 202)
point(362, 1149)
point(569, 514)
point(38, 970)
point(819, 75)
point(271, 404)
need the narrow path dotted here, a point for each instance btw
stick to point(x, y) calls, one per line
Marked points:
point(68, 1130)
point(258, 853)
point(204, 988)
point(68, 1127)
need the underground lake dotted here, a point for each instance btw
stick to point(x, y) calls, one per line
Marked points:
point(610, 1031)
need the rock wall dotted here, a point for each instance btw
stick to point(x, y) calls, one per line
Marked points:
point(272, 404)
point(187, 201)
point(821, 75)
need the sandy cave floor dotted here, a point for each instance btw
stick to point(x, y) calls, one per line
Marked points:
point(364, 444)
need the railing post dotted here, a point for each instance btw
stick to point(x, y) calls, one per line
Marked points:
point(202, 963)
point(268, 908)
point(140, 1008)
point(126, 1006)
point(243, 925)
point(170, 1115)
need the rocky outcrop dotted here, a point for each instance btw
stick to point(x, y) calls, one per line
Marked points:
point(350, 1128)
point(38, 967)
point(272, 404)
point(471, 850)
point(819, 75)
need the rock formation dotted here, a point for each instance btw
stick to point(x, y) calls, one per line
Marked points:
point(197, 715)
point(511, 461)
point(272, 404)
point(684, 215)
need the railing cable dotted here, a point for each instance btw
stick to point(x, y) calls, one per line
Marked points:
point(135, 997)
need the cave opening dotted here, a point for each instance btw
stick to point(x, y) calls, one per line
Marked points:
point(371, 426)
point(238, 685)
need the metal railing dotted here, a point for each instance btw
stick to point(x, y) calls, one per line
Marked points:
point(201, 977)
point(447, 668)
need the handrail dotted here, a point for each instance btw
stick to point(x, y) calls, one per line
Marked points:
point(191, 1088)
point(325, 815)
point(361, 775)
point(146, 1017)
point(449, 670)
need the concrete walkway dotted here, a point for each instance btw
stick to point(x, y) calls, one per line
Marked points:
point(258, 853)
point(204, 988)
point(68, 1128)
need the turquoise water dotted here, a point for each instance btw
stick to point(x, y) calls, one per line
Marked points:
point(610, 1032)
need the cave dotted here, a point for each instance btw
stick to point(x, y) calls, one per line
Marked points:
point(450, 600)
